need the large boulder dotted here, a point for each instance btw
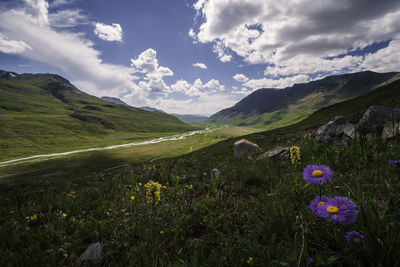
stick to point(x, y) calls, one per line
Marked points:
point(374, 119)
point(278, 152)
point(338, 130)
point(244, 148)
point(94, 254)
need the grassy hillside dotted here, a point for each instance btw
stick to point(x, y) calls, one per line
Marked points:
point(249, 213)
point(274, 108)
point(45, 113)
point(353, 109)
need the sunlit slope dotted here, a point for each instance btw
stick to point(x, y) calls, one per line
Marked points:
point(42, 111)
point(273, 108)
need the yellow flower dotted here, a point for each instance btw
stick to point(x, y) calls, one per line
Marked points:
point(250, 260)
point(132, 197)
point(64, 215)
point(11, 212)
point(295, 156)
point(162, 232)
point(140, 184)
point(153, 192)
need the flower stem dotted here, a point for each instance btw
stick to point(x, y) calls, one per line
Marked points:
point(319, 186)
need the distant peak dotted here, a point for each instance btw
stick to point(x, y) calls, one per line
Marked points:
point(114, 100)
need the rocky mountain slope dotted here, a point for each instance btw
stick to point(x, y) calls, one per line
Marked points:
point(272, 108)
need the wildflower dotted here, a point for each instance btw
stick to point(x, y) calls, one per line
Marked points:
point(215, 170)
point(190, 187)
point(340, 210)
point(394, 161)
point(132, 197)
point(250, 260)
point(32, 218)
point(42, 191)
point(71, 194)
point(355, 239)
point(140, 184)
point(162, 232)
point(153, 192)
point(317, 174)
point(310, 260)
point(295, 155)
point(204, 174)
point(64, 215)
point(336, 186)
point(11, 212)
point(316, 203)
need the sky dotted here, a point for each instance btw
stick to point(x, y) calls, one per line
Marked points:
point(196, 57)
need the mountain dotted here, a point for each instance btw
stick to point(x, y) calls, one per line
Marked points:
point(190, 118)
point(46, 113)
point(272, 108)
point(114, 100)
point(152, 109)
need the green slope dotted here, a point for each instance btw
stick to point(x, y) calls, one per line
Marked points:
point(45, 113)
point(353, 109)
point(274, 108)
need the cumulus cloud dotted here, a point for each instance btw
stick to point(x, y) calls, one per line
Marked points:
point(200, 65)
point(12, 46)
point(240, 78)
point(197, 88)
point(109, 33)
point(297, 36)
point(385, 59)
point(276, 83)
point(214, 84)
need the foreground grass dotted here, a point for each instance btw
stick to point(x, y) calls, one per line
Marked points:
point(250, 213)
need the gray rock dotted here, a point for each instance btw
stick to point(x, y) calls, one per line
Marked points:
point(338, 131)
point(278, 152)
point(94, 253)
point(244, 148)
point(390, 130)
point(375, 118)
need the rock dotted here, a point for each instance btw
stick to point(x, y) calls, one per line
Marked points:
point(278, 152)
point(375, 118)
point(244, 148)
point(94, 253)
point(338, 131)
point(390, 130)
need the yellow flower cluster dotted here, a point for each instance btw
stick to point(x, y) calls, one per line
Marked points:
point(190, 187)
point(295, 155)
point(71, 194)
point(250, 260)
point(32, 218)
point(153, 191)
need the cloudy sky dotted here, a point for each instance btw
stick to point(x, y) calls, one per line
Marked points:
point(196, 57)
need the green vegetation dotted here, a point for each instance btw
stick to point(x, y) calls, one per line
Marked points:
point(256, 209)
point(44, 113)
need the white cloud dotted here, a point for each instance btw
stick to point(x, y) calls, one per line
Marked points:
point(68, 18)
point(11, 46)
point(197, 88)
point(276, 83)
point(297, 36)
point(214, 84)
point(70, 52)
point(240, 78)
point(385, 59)
point(109, 33)
point(200, 65)
point(58, 3)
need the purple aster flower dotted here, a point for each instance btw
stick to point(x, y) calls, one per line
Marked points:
point(355, 239)
point(318, 202)
point(317, 174)
point(42, 191)
point(215, 170)
point(310, 261)
point(340, 210)
point(394, 161)
point(204, 174)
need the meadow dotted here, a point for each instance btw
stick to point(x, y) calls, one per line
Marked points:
point(213, 210)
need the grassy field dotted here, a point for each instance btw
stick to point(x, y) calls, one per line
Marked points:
point(44, 113)
point(249, 213)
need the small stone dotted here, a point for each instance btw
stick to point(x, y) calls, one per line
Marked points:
point(390, 130)
point(278, 152)
point(94, 253)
